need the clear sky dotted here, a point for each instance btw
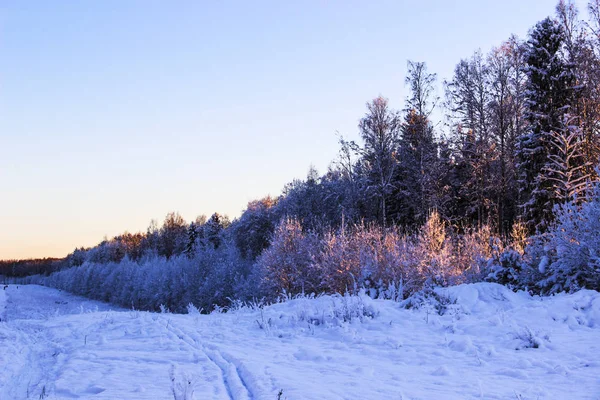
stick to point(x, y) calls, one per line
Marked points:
point(113, 113)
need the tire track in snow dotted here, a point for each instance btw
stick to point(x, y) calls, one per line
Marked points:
point(233, 381)
point(236, 386)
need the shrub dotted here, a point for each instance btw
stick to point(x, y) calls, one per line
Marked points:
point(571, 247)
point(507, 269)
point(287, 266)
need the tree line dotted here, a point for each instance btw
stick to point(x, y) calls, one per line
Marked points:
point(477, 195)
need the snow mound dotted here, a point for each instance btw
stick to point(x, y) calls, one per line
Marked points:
point(581, 309)
point(483, 297)
point(329, 310)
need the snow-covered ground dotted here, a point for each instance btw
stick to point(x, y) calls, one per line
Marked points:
point(490, 344)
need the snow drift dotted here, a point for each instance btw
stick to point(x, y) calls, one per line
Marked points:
point(469, 341)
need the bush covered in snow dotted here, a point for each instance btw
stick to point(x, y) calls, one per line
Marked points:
point(385, 263)
point(211, 277)
point(571, 248)
point(565, 258)
point(506, 269)
point(287, 265)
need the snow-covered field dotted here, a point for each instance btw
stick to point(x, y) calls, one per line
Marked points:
point(490, 344)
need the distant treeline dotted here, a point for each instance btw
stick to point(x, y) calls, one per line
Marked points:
point(17, 268)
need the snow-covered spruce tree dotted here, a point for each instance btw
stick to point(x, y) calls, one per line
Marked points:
point(567, 167)
point(571, 248)
point(416, 175)
point(512, 266)
point(506, 269)
point(548, 94)
point(582, 41)
point(190, 247)
point(214, 228)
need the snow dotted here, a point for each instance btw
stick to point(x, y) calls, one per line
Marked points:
point(489, 343)
point(2, 304)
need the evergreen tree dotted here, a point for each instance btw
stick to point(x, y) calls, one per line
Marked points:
point(214, 228)
point(571, 247)
point(548, 95)
point(567, 166)
point(190, 247)
point(582, 47)
point(414, 180)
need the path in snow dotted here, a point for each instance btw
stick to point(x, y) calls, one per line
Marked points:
point(62, 346)
point(57, 346)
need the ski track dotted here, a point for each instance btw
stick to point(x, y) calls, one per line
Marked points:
point(233, 372)
point(58, 346)
point(232, 381)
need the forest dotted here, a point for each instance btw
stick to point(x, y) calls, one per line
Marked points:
point(503, 188)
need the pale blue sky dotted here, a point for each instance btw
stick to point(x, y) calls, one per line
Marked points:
point(116, 112)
